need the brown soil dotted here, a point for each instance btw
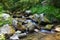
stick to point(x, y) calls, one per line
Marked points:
point(42, 36)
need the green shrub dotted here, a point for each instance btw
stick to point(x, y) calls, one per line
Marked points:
point(50, 11)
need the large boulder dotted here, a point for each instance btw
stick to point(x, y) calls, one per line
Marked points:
point(48, 26)
point(5, 19)
point(6, 29)
point(57, 28)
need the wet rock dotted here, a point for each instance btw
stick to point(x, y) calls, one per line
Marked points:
point(21, 27)
point(46, 31)
point(6, 29)
point(26, 25)
point(18, 23)
point(21, 19)
point(35, 17)
point(14, 37)
point(17, 35)
point(48, 27)
point(46, 20)
point(5, 19)
point(36, 30)
point(57, 28)
point(30, 25)
point(5, 16)
point(22, 34)
point(39, 18)
point(18, 32)
point(28, 11)
point(14, 23)
point(43, 18)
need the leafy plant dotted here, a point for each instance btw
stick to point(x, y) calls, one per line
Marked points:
point(3, 22)
point(15, 5)
point(33, 5)
point(1, 8)
point(50, 11)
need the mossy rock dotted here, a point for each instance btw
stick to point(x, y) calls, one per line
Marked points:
point(48, 27)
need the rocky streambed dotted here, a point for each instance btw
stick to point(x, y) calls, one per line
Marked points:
point(32, 27)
